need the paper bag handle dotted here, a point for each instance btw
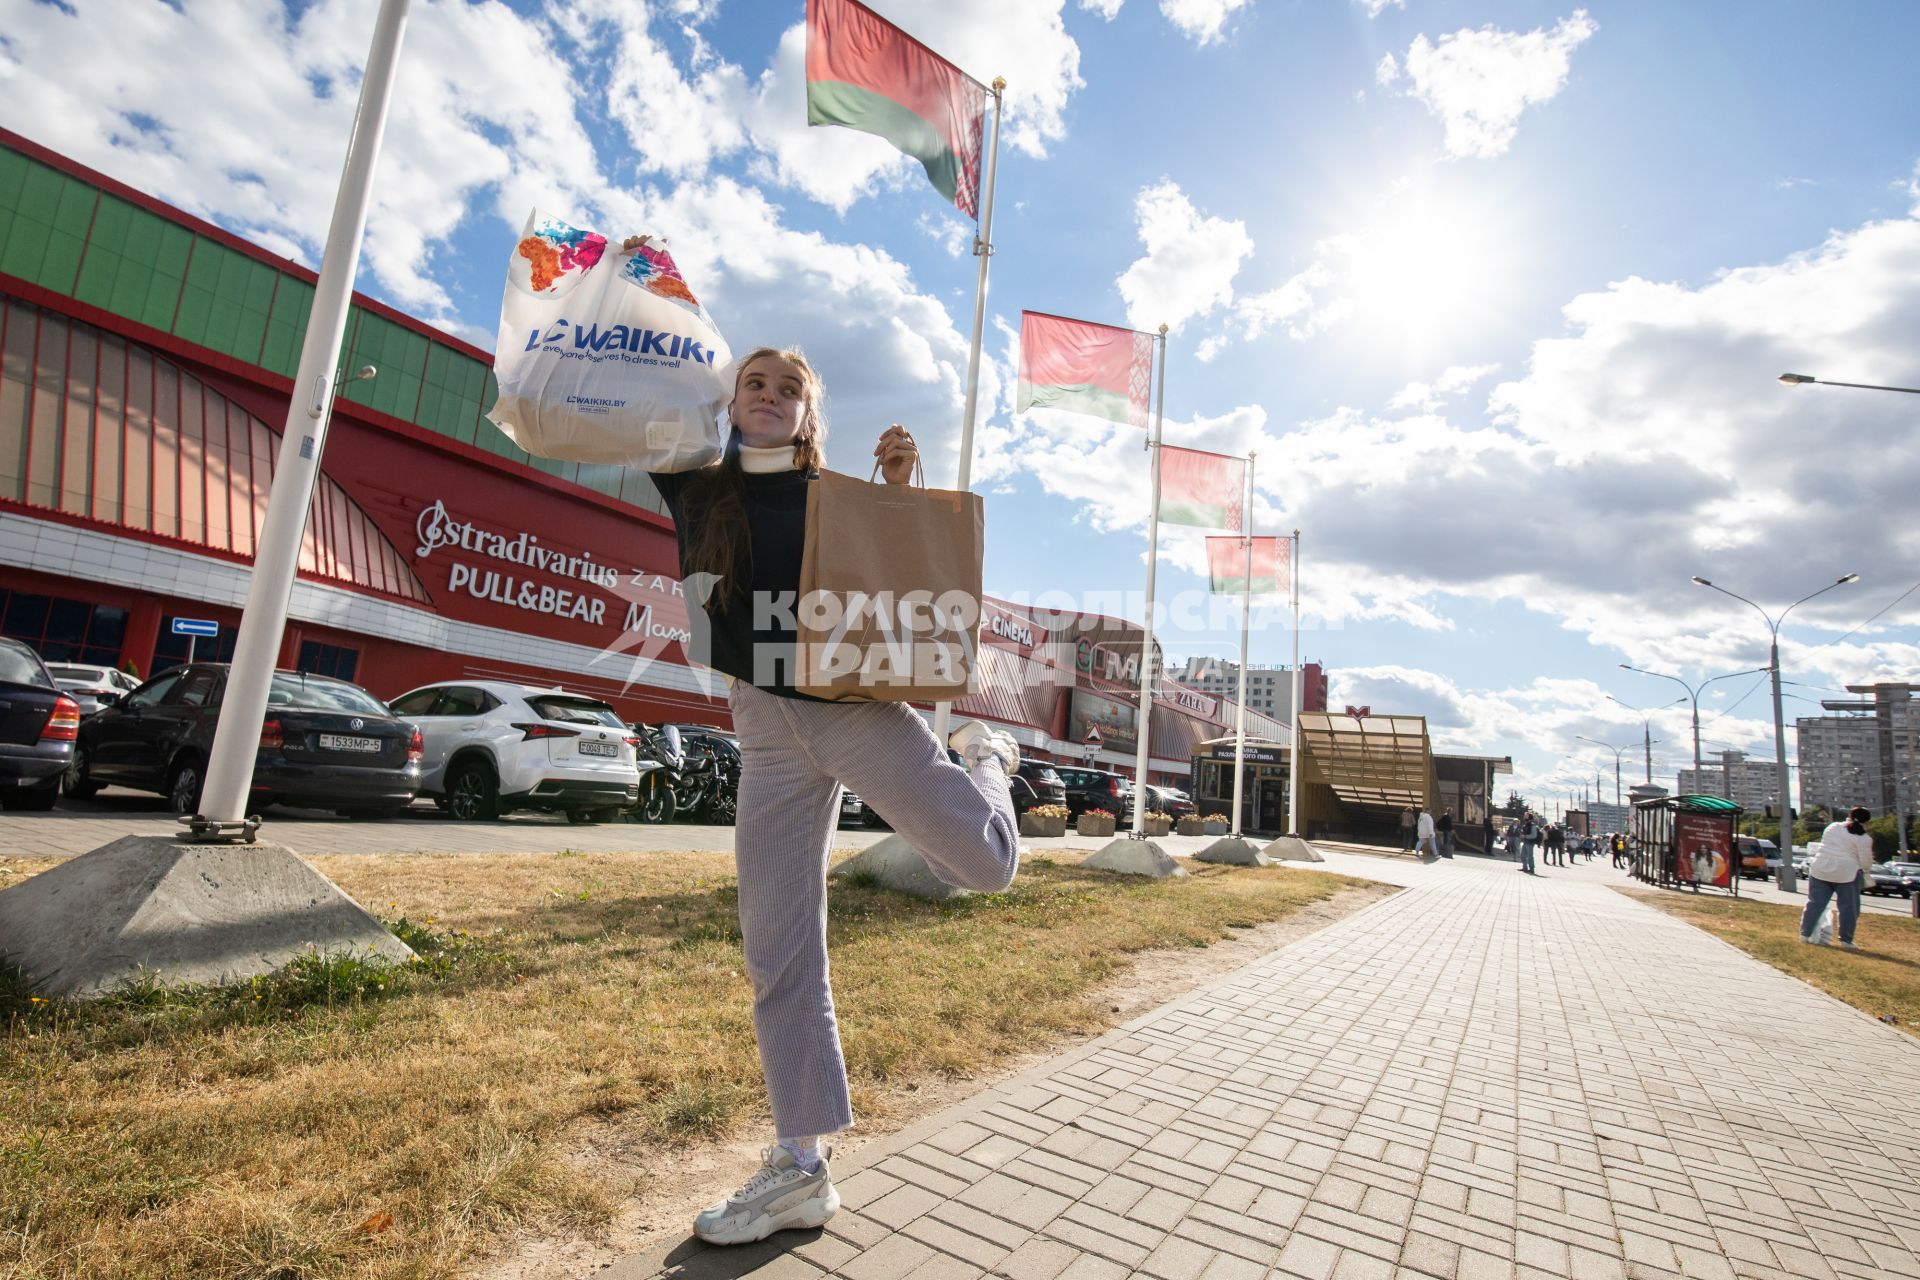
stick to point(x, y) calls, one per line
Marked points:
point(919, 472)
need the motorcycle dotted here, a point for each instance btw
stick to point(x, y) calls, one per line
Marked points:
point(696, 776)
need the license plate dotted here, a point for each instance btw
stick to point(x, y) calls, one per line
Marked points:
point(346, 742)
point(599, 749)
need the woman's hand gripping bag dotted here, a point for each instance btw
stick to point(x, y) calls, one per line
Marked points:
point(606, 356)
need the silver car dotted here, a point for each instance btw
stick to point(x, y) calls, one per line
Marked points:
point(38, 724)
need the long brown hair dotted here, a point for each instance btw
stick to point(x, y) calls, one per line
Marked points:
point(719, 543)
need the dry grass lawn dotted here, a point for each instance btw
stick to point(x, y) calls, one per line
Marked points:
point(1881, 978)
point(354, 1122)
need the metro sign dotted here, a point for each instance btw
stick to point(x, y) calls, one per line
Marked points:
point(1359, 713)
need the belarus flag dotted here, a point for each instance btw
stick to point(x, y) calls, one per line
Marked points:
point(1089, 368)
point(867, 74)
point(1201, 488)
point(1227, 565)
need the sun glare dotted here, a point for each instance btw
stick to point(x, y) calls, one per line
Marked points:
point(1424, 270)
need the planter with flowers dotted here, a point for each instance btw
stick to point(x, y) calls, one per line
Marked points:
point(1095, 822)
point(1158, 824)
point(1191, 825)
point(1044, 821)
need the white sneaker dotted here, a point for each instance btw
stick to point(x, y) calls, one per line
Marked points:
point(779, 1197)
point(976, 741)
point(1848, 946)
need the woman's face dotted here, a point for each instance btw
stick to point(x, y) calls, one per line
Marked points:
point(769, 402)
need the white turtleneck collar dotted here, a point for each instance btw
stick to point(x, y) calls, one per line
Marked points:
point(763, 462)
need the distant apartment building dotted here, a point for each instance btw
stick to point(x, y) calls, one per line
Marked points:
point(1867, 755)
point(1754, 785)
point(1269, 688)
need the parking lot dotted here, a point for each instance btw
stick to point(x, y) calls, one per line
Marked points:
point(75, 826)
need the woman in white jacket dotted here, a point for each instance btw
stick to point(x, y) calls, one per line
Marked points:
point(1839, 870)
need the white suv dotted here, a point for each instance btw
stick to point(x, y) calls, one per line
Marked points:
point(490, 746)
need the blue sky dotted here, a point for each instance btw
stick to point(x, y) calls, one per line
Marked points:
point(1497, 291)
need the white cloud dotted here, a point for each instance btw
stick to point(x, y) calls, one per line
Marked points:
point(1452, 381)
point(1375, 8)
point(1479, 82)
point(1202, 21)
point(473, 116)
point(1190, 262)
point(1108, 9)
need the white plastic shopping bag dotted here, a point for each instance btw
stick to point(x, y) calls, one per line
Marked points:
point(1823, 932)
point(606, 356)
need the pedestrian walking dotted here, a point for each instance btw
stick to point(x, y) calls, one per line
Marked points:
point(1443, 825)
point(1838, 873)
point(1529, 838)
point(1428, 845)
point(743, 519)
point(1556, 837)
point(1486, 834)
point(1407, 829)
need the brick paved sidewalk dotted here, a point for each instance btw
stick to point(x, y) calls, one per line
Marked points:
point(1488, 1075)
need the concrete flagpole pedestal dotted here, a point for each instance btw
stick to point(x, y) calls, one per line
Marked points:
point(1292, 849)
point(895, 864)
point(155, 906)
point(1135, 856)
point(1233, 851)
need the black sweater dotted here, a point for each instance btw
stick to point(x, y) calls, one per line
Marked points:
point(727, 640)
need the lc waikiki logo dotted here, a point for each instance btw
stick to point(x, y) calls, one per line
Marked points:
point(618, 338)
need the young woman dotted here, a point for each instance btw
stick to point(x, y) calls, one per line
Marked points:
point(743, 520)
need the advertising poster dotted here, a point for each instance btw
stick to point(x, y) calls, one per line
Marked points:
point(1705, 848)
point(1118, 722)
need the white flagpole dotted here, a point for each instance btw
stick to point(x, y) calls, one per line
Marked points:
point(263, 620)
point(1146, 635)
point(1246, 614)
point(983, 249)
point(1299, 694)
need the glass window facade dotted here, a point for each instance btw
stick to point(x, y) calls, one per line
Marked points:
point(62, 630)
point(97, 426)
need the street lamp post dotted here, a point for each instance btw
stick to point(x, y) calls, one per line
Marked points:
point(1788, 882)
point(1617, 801)
point(1801, 379)
point(1646, 729)
point(1693, 693)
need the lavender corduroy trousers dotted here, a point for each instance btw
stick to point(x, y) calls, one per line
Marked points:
point(795, 755)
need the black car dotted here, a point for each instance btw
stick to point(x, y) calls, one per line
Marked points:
point(1096, 789)
point(1899, 879)
point(37, 727)
point(325, 744)
point(1170, 801)
point(1036, 783)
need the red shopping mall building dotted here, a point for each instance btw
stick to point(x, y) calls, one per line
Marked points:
point(148, 366)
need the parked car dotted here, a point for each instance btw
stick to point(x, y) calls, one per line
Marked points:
point(91, 686)
point(492, 746)
point(38, 723)
point(1897, 879)
point(852, 807)
point(1758, 858)
point(325, 744)
point(1096, 789)
point(1172, 801)
point(1036, 783)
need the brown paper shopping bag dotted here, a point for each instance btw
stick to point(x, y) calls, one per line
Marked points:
point(889, 607)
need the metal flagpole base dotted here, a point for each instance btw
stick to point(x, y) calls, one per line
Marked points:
point(1234, 851)
point(1135, 857)
point(1292, 849)
point(201, 829)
